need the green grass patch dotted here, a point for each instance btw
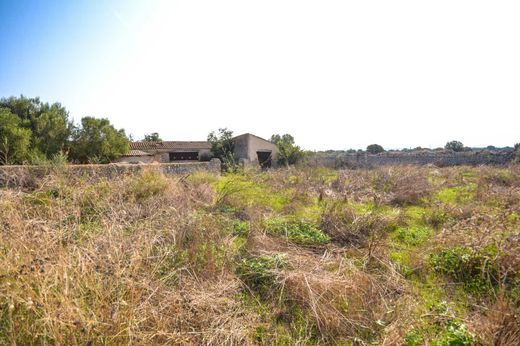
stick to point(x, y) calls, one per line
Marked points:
point(476, 270)
point(456, 194)
point(297, 231)
point(412, 236)
point(238, 191)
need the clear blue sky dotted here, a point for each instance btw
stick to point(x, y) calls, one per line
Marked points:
point(335, 74)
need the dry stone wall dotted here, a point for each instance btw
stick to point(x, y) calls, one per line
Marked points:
point(29, 176)
point(440, 159)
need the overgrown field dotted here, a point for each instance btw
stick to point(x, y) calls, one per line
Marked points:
point(393, 256)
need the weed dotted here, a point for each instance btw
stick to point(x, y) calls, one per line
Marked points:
point(475, 269)
point(240, 228)
point(146, 185)
point(297, 231)
point(412, 235)
point(259, 273)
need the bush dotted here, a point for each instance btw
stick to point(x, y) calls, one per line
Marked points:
point(375, 149)
point(477, 270)
point(146, 185)
point(288, 152)
point(455, 146)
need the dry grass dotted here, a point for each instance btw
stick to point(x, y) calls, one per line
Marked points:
point(147, 259)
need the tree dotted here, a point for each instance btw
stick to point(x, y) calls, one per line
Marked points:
point(97, 141)
point(375, 149)
point(454, 145)
point(223, 147)
point(14, 139)
point(152, 137)
point(517, 150)
point(288, 152)
point(49, 123)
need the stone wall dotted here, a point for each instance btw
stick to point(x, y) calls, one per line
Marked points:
point(440, 159)
point(29, 176)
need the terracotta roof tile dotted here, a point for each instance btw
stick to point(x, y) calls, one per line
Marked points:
point(165, 145)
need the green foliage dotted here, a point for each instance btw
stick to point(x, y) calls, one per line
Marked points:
point(288, 152)
point(452, 333)
point(240, 228)
point(49, 123)
point(375, 149)
point(457, 194)
point(240, 192)
point(475, 269)
point(223, 148)
point(97, 141)
point(14, 139)
point(152, 137)
point(454, 145)
point(259, 273)
point(412, 235)
point(517, 150)
point(297, 231)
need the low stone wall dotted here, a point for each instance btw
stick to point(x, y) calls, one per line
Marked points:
point(440, 159)
point(29, 176)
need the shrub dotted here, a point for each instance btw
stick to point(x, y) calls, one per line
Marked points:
point(146, 185)
point(288, 152)
point(454, 145)
point(375, 149)
point(297, 231)
point(477, 270)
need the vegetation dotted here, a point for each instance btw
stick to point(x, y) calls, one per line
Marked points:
point(14, 139)
point(288, 152)
point(454, 145)
point(375, 149)
point(32, 131)
point(97, 141)
point(223, 147)
point(152, 137)
point(307, 256)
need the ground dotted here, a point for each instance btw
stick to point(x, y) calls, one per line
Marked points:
point(392, 256)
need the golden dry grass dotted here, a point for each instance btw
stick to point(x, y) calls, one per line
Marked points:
point(153, 260)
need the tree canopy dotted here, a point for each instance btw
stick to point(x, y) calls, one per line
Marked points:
point(34, 131)
point(375, 149)
point(223, 147)
point(14, 139)
point(152, 137)
point(49, 124)
point(97, 141)
point(454, 145)
point(288, 152)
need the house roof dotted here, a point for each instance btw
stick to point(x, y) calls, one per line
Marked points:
point(137, 153)
point(173, 145)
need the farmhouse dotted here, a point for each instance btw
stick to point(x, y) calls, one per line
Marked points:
point(249, 150)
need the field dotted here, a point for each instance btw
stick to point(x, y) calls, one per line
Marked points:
point(392, 256)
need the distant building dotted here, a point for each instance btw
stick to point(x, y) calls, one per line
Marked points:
point(249, 150)
point(136, 156)
point(254, 150)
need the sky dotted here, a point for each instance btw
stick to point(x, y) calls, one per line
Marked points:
point(334, 74)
